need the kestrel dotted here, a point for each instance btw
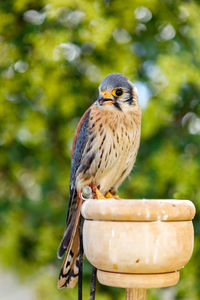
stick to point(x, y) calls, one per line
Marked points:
point(104, 151)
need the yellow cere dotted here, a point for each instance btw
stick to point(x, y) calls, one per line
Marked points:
point(106, 94)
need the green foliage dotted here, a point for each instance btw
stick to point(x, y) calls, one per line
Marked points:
point(53, 55)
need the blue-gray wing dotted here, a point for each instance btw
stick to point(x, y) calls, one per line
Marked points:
point(80, 140)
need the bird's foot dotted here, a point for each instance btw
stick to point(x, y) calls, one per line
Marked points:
point(99, 195)
point(92, 191)
point(96, 193)
point(110, 195)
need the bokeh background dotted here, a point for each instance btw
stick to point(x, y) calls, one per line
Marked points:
point(53, 55)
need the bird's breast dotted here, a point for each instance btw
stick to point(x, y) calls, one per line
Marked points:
point(117, 149)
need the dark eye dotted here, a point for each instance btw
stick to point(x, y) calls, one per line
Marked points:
point(118, 92)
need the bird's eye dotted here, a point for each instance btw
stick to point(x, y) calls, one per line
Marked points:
point(117, 92)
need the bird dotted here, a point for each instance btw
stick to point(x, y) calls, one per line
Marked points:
point(104, 151)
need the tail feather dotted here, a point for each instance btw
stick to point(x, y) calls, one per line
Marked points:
point(66, 239)
point(70, 267)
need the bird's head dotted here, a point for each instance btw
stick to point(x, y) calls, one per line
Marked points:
point(117, 92)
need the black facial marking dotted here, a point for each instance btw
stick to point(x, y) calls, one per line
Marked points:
point(129, 100)
point(116, 104)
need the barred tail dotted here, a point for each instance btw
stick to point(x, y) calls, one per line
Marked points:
point(70, 268)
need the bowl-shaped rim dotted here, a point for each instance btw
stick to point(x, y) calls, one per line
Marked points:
point(144, 210)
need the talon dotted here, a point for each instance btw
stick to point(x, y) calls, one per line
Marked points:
point(99, 195)
point(110, 195)
point(96, 193)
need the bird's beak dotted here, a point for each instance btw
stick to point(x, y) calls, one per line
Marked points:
point(105, 98)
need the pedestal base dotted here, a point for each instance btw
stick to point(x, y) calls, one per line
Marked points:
point(144, 281)
point(136, 294)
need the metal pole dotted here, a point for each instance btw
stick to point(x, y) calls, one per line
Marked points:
point(80, 259)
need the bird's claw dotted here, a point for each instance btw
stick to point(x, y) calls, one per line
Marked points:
point(99, 195)
point(110, 195)
point(92, 191)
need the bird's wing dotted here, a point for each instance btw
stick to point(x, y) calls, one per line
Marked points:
point(79, 142)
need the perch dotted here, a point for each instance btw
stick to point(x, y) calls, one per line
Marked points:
point(138, 244)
